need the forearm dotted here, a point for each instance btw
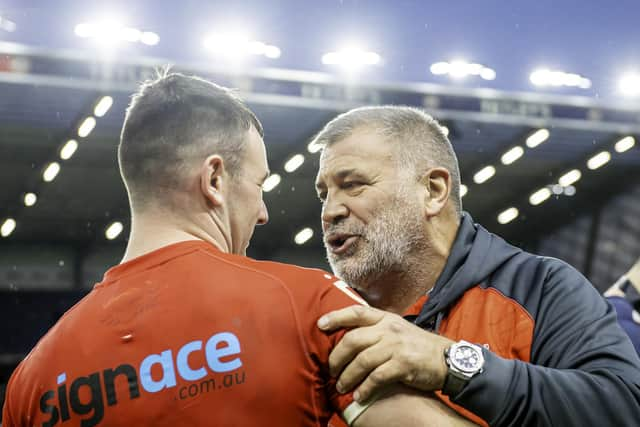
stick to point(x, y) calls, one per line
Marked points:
point(408, 407)
point(537, 395)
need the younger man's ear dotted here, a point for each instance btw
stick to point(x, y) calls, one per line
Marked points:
point(211, 179)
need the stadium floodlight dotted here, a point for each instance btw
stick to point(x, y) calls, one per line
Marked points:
point(113, 230)
point(294, 163)
point(484, 174)
point(570, 177)
point(629, 84)
point(540, 196)
point(537, 138)
point(625, 144)
point(314, 147)
point(440, 68)
point(508, 215)
point(111, 32)
point(512, 155)
point(488, 74)
point(547, 77)
point(103, 106)
point(459, 69)
point(351, 57)
point(271, 182)
point(86, 127)
point(51, 171)
point(463, 190)
point(149, 38)
point(30, 199)
point(7, 227)
point(303, 236)
point(238, 44)
point(68, 149)
point(598, 160)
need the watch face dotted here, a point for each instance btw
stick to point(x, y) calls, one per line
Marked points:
point(466, 358)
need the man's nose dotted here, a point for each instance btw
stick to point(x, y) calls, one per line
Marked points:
point(333, 211)
point(263, 217)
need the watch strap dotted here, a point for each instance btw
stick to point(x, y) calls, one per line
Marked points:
point(454, 383)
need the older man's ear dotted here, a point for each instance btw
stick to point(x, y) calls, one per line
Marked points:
point(437, 187)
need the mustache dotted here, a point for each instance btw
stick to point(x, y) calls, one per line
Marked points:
point(353, 229)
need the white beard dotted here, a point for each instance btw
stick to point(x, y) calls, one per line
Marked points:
point(384, 245)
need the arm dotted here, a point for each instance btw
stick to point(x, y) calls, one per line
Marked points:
point(583, 369)
point(408, 407)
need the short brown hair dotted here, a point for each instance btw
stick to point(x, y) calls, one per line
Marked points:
point(173, 121)
point(418, 137)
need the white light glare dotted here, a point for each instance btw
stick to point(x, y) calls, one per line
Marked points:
point(545, 77)
point(598, 160)
point(537, 138)
point(111, 32)
point(7, 25)
point(68, 149)
point(629, 84)
point(239, 44)
point(30, 199)
point(7, 227)
point(463, 190)
point(512, 155)
point(86, 127)
point(461, 69)
point(351, 57)
point(540, 196)
point(484, 174)
point(294, 163)
point(445, 130)
point(103, 106)
point(149, 38)
point(51, 171)
point(113, 230)
point(271, 182)
point(303, 236)
point(625, 144)
point(314, 147)
point(569, 178)
point(508, 215)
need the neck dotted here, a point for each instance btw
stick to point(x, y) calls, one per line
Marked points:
point(397, 290)
point(150, 232)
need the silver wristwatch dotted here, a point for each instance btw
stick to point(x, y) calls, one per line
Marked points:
point(464, 360)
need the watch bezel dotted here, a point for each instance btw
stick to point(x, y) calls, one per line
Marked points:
point(454, 363)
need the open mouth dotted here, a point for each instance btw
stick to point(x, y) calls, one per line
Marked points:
point(340, 243)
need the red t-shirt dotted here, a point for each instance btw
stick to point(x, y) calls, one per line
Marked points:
point(187, 335)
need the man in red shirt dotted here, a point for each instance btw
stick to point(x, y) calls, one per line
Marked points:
point(187, 330)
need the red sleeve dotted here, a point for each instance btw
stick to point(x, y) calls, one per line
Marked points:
point(9, 403)
point(334, 295)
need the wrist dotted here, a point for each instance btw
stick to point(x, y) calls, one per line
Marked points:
point(464, 361)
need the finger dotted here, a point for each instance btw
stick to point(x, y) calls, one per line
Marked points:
point(385, 374)
point(350, 317)
point(352, 343)
point(361, 366)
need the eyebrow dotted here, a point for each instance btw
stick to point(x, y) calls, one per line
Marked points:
point(342, 174)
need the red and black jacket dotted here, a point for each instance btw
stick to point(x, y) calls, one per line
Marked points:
point(555, 356)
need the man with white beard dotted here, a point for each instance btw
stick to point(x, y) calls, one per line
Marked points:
point(504, 337)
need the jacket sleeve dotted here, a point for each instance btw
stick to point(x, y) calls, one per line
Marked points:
point(583, 370)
